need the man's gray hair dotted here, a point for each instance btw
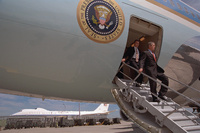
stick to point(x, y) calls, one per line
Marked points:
point(150, 43)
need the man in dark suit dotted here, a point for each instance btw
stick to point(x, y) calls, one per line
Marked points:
point(132, 57)
point(149, 61)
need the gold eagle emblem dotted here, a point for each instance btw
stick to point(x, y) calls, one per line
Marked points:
point(103, 15)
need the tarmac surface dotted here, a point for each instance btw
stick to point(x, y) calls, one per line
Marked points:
point(124, 127)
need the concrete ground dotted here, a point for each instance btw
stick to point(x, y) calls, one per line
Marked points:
point(124, 127)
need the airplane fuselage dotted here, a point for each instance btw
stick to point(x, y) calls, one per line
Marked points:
point(45, 53)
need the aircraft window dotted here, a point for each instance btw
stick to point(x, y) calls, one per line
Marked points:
point(192, 14)
point(186, 10)
point(179, 6)
point(172, 2)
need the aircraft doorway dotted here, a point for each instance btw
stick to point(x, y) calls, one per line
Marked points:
point(144, 31)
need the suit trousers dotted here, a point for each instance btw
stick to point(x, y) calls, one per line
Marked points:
point(153, 85)
point(136, 65)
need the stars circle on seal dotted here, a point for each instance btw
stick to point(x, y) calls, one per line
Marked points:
point(100, 20)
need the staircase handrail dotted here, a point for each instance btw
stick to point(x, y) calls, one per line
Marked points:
point(183, 84)
point(187, 98)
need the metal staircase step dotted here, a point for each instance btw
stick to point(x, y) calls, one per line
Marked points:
point(140, 88)
point(165, 107)
point(162, 103)
point(170, 110)
point(193, 131)
point(185, 123)
point(149, 97)
point(180, 118)
point(192, 128)
point(142, 91)
point(146, 88)
point(126, 80)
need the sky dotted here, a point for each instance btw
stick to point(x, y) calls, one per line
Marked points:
point(10, 104)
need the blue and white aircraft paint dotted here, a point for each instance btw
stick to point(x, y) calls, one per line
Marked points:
point(71, 50)
point(102, 109)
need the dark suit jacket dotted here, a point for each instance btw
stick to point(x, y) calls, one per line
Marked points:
point(150, 66)
point(130, 52)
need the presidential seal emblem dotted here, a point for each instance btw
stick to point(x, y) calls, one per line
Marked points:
point(100, 20)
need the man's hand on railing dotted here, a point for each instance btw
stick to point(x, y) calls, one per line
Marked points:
point(123, 59)
point(140, 70)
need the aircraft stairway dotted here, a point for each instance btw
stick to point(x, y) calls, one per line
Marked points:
point(159, 117)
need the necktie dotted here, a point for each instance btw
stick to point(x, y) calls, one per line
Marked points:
point(136, 55)
point(154, 56)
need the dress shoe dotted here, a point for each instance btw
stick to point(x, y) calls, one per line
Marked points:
point(137, 85)
point(156, 100)
point(163, 98)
